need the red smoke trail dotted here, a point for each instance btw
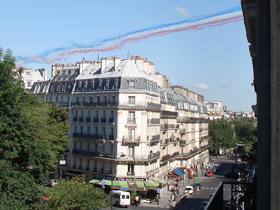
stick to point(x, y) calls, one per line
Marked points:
point(63, 55)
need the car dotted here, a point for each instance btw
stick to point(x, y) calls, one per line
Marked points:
point(209, 173)
point(189, 189)
point(203, 205)
point(238, 160)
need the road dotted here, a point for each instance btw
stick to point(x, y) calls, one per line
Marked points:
point(208, 187)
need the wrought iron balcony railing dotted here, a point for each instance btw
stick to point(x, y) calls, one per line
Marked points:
point(89, 136)
point(131, 139)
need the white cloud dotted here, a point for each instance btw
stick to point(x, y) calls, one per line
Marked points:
point(224, 85)
point(182, 11)
point(201, 86)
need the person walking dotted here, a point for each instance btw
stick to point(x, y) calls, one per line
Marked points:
point(136, 200)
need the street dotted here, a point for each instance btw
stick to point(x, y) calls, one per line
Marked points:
point(208, 187)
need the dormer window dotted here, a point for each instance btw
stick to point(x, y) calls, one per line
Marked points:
point(106, 85)
point(100, 83)
point(131, 84)
point(115, 83)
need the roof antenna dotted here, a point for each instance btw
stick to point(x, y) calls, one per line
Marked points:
point(128, 53)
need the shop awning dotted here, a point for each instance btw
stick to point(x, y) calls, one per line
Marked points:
point(151, 184)
point(124, 185)
point(160, 181)
point(116, 184)
point(179, 171)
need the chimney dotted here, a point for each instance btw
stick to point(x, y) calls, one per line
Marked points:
point(104, 62)
point(117, 61)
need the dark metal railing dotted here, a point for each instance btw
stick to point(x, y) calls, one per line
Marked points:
point(89, 136)
point(95, 103)
point(243, 196)
point(131, 139)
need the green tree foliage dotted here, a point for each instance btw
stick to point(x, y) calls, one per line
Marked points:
point(246, 133)
point(221, 133)
point(31, 132)
point(73, 194)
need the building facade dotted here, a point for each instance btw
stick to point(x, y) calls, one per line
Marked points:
point(126, 122)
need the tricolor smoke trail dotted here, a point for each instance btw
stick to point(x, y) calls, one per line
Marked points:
point(197, 23)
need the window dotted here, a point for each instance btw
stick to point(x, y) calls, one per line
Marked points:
point(131, 100)
point(28, 84)
point(27, 73)
point(116, 83)
point(131, 84)
point(106, 83)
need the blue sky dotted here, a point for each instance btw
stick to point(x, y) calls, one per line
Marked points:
point(213, 61)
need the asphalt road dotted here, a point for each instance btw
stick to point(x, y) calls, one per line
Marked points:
point(208, 187)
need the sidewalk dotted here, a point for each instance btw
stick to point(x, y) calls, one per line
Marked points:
point(165, 198)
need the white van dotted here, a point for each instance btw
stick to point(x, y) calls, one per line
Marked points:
point(119, 198)
point(189, 190)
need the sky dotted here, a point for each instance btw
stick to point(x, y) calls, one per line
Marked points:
point(200, 45)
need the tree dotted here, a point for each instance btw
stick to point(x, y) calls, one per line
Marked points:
point(73, 194)
point(221, 133)
point(31, 132)
point(246, 133)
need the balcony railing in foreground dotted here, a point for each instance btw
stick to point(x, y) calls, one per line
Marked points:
point(243, 196)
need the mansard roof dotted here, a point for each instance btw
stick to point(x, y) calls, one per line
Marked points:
point(127, 68)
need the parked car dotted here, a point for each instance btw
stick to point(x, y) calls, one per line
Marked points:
point(189, 189)
point(203, 205)
point(209, 173)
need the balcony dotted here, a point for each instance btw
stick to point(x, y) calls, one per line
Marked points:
point(111, 120)
point(153, 121)
point(81, 119)
point(131, 120)
point(130, 173)
point(94, 104)
point(92, 154)
point(95, 119)
point(193, 153)
point(164, 127)
point(175, 154)
point(111, 137)
point(165, 158)
point(88, 119)
point(169, 114)
point(103, 119)
point(154, 106)
point(89, 136)
point(182, 131)
point(127, 158)
point(155, 138)
point(165, 142)
point(131, 139)
point(183, 142)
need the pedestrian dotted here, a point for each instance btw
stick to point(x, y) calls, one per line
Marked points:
point(136, 200)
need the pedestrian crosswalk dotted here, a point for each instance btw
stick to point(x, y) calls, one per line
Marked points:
point(214, 188)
